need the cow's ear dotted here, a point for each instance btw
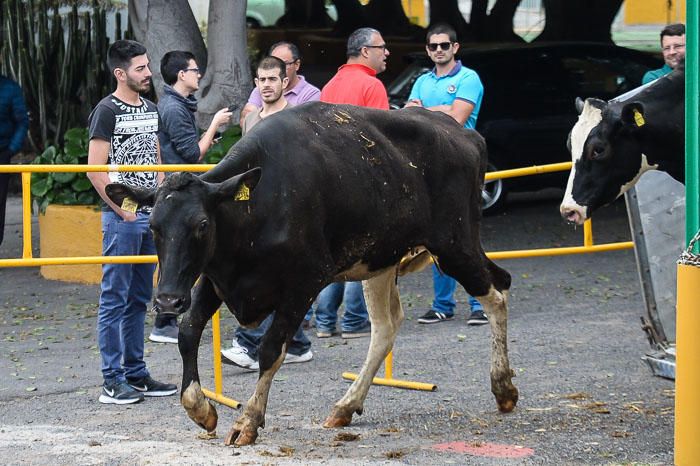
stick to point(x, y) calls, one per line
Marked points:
point(239, 187)
point(579, 105)
point(117, 192)
point(632, 115)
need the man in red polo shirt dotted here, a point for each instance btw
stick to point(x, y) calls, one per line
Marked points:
point(355, 83)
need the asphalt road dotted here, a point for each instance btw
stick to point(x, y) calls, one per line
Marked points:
point(575, 345)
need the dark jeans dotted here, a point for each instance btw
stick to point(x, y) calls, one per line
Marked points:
point(126, 291)
point(5, 156)
point(250, 339)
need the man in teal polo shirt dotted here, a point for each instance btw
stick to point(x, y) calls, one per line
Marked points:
point(457, 91)
point(673, 50)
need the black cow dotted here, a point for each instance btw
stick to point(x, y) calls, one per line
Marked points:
point(315, 194)
point(614, 143)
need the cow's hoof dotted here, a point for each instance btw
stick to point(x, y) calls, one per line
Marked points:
point(338, 418)
point(199, 409)
point(507, 401)
point(240, 438)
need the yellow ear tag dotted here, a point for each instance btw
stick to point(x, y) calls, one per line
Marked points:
point(638, 118)
point(129, 205)
point(243, 193)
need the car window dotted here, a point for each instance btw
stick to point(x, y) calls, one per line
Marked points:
point(400, 88)
point(523, 84)
point(603, 76)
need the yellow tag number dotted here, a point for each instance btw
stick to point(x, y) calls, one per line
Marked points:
point(129, 205)
point(638, 118)
point(243, 193)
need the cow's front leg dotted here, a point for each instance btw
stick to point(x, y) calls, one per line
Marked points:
point(205, 302)
point(270, 357)
point(496, 305)
point(386, 315)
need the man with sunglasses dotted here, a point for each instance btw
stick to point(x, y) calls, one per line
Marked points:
point(298, 90)
point(457, 91)
point(179, 138)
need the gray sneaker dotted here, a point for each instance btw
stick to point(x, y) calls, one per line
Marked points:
point(167, 334)
point(119, 394)
point(364, 331)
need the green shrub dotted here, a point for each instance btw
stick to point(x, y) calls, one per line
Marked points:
point(64, 188)
point(219, 150)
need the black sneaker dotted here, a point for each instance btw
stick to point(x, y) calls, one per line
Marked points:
point(119, 394)
point(433, 317)
point(478, 318)
point(149, 387)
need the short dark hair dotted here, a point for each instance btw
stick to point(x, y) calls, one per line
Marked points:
point(441, 28)
point(296, 55)
point(677, 29)
point(174, 62)
point(271, 63)
point(121, 52)
point(358, 39)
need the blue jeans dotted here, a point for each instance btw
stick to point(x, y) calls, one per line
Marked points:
point(329, 300)
point(250, 338)
point(126, 291)
point(444, 288)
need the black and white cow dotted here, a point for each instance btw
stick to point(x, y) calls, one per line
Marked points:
point(315, 194)
point(613, 144)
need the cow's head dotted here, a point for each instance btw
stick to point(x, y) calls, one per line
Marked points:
point(606, 155)
point(183, 223)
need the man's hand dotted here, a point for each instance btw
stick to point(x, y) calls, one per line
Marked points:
point(221, 117)
point(414, 103)
point(126, 215)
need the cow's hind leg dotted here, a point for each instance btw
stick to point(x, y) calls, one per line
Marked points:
point(489, 284)
point(270, 357)
point(204, 304)
point(386, 315)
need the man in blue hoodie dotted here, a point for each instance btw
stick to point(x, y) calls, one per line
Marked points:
point(179, 137)
point(14, 124)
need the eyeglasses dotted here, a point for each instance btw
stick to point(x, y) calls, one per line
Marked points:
point(383, 46)
point(196, 70)
point(291, 62)
point(443, 45)
point(673, 48)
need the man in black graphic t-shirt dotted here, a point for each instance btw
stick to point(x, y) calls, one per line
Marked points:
point(123, 131)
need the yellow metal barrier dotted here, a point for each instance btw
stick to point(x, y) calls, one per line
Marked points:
point(27, 260)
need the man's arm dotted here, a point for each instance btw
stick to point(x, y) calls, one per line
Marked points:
point(19, 115)
point(460, 110)
point(221, 117)
point(98, 154)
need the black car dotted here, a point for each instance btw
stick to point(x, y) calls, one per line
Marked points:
point(528, 106)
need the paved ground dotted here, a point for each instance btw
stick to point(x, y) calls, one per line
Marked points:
point(575, 344)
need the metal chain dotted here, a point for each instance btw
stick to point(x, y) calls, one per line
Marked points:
point(687, 257)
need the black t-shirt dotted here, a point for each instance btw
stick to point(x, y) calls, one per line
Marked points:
point(132, 133)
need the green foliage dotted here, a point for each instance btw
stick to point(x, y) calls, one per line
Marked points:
point(218, 151)
point(59, 60)
point(64, 188)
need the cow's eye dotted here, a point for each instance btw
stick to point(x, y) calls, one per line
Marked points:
point(203, 225)
point(598, 152)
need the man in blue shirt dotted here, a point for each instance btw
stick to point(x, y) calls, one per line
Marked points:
point(14, 124)
point(457, 91)
point(673, 50)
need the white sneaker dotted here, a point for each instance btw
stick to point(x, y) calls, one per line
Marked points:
point(238, 355)
point(292, 358)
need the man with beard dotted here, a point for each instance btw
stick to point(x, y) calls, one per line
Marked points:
point(123, 130)
point(457, 91)
point(271, 80)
